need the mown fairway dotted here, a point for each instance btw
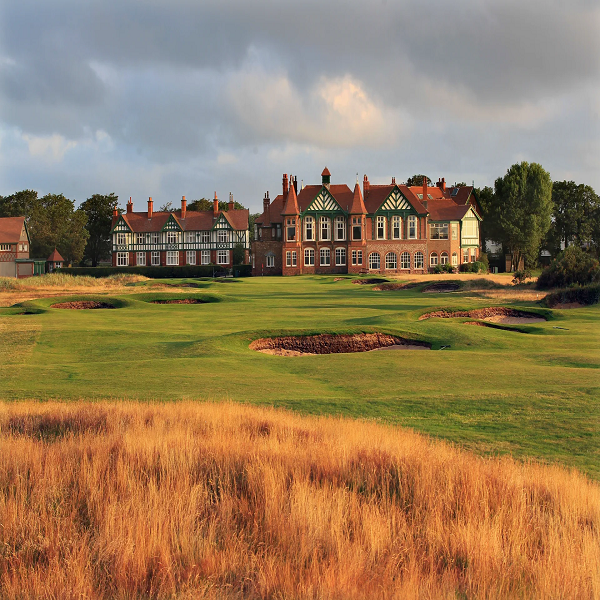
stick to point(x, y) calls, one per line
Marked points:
point(532, 394)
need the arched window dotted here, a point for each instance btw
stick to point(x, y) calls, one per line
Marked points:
point(309, 229)
point(412, 227)
point(418, 260)
point(405, 260)
point(325, 229)
point(374, 261)
point(444, 258)
point(391, 261)
point(454, 259)
point(433, 259)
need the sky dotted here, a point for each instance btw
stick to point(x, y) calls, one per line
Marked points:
point(188, 97)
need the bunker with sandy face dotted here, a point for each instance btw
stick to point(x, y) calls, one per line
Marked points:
point(180, 301)
point(493, 314)
point(83, 305)
point(334, 344)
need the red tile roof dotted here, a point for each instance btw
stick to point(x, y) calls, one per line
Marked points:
point(358, 206)
point(10, 229)
point(194, 220)
point(325, 173)
point(377, 194)
point(55, 257)
point(291, 203)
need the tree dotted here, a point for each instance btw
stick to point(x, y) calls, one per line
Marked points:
point(19, 204)
point(417, 180)
point(99, 209)
point(204, 204)
point(239, 254)
point(489, 229)
point(575, 218)
point(522, 208)
point(251, 219)
point(167, 207)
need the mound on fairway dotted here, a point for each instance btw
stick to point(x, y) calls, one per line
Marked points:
point(83, 305)
point(180, 301)
point(369, 281)
point(334, 344)
point(384, 287)
point(493, 314)
point(442, 287)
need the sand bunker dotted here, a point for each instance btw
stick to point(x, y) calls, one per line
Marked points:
point(180, 301)
point(83, 305)
point(370, 281)
point(442, 287)
point(334, 344)
point(494, 314)
point(396, 286)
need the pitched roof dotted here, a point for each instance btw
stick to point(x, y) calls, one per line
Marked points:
point(342, 194)
point(10, 229)
point(55, 257)
point(274, 215)
point(358, 206)
point(377, 195)
point(446, 210)
point(194, 220)
point(325, 173)
point(291, 203)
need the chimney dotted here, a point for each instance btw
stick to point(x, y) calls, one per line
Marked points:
point(296, 184)
point(215, 205)
point(366, 185)
point(115, 212)
point(266, 202)
point(443, 184)
point(150, 207)
point(424, 188)
point(285, 185)
point(129, 206)
point(230, 204)
point(393, 181)
point(183, 207)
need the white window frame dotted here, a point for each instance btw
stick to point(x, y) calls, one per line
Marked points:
point(290, 228)
point(472, 253)
point(454, 231)
point(380, 224)
point(389, 262)
point(140, 238)
point(190, 257)
point(121, 239)
point(190, 237)
point(324, 257)
point(454, 259)
point(405, 260)
point(465, 254)
point(340, 229)
point(396, 227)
point(309, 225)
point(140, 259)
point(222, 236)
point(172, 237)
point(156, 238)
point(340, 257)
point(122, 259)
point(357, 222)
point(444, 258)
point(325, 229)
point(374, 259)
point(222, 257)
point(294, 258)
point(433, 259)
point(205, 257)
point(412, 227)
point(419, 260)
point(205, 237)
point(288, 258)
point(270, 260)
point(155, 258)
point(172, 258)
point(309, 257)
point(438, 231)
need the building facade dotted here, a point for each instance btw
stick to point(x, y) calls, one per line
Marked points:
point(181, 237)
point(390, 228)
point(14, 250)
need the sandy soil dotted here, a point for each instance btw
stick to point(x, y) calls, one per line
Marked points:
point(180, 301)
point(493, 314)
point(514, 320)
point(568, 305)
point(83, 305)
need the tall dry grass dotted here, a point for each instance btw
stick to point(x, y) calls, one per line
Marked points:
point(188, 500)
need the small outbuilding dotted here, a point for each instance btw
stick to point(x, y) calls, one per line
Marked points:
point(54, 261)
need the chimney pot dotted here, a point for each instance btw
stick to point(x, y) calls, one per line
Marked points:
point(230, 204)
point(285, 185)
point(150, 204)
point(215, 205)
point(424, 188)
point(130, 206)
point(393, 181)
point(183, 207)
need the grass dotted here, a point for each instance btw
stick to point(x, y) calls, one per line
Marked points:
point(189, 500)
point(534, 394)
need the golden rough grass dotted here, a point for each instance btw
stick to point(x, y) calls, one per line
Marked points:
point(128, 500)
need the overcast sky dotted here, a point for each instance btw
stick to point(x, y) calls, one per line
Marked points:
point(187, 97)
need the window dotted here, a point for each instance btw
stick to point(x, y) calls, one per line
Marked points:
point(121, 239)
point(291, 230)
point(374, 261)
point(340, 229)
point(270, 260)
point(454, 231)
point(438, 231)
point(443, 258)
point(140, 238)
point(325, 257)
point(381, 228)
point(205, 257)
point(433, 259)
point(140, 259)
point(4, 246)
point(288, 258)
point(412, 228)
point(396, 229)
point(454, 259)
point(405, 260)
point(470, 228)
point(356, 228)
point(190, 236)
point(155, 238)
point(155, 259)
point(222, 237)
point(206, 237)
point(294, 258)
point(340, 257)
point(171, 237)
point(357, 257)
point(223, 257)
point(190, 257)
point(419, 260)
point(325, 229)
point(309, 257)
point(309, 229)
point(391, 261)
point(473, 251)
point(276, 231)
point(465, 255)
point(122, 259)
point(172, 258)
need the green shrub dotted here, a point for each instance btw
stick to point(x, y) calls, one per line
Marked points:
point(586, 295)
point(520, 276)
point(443, 269)
point(473, 267)
point(186, 271)
point(571, 267)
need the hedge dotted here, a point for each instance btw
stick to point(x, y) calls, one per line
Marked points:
point(473, 267)
point(187, 271)
point(586, 295)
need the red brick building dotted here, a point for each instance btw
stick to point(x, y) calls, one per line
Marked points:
point(389, 228)
point(182, 237)
point(14, 250)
